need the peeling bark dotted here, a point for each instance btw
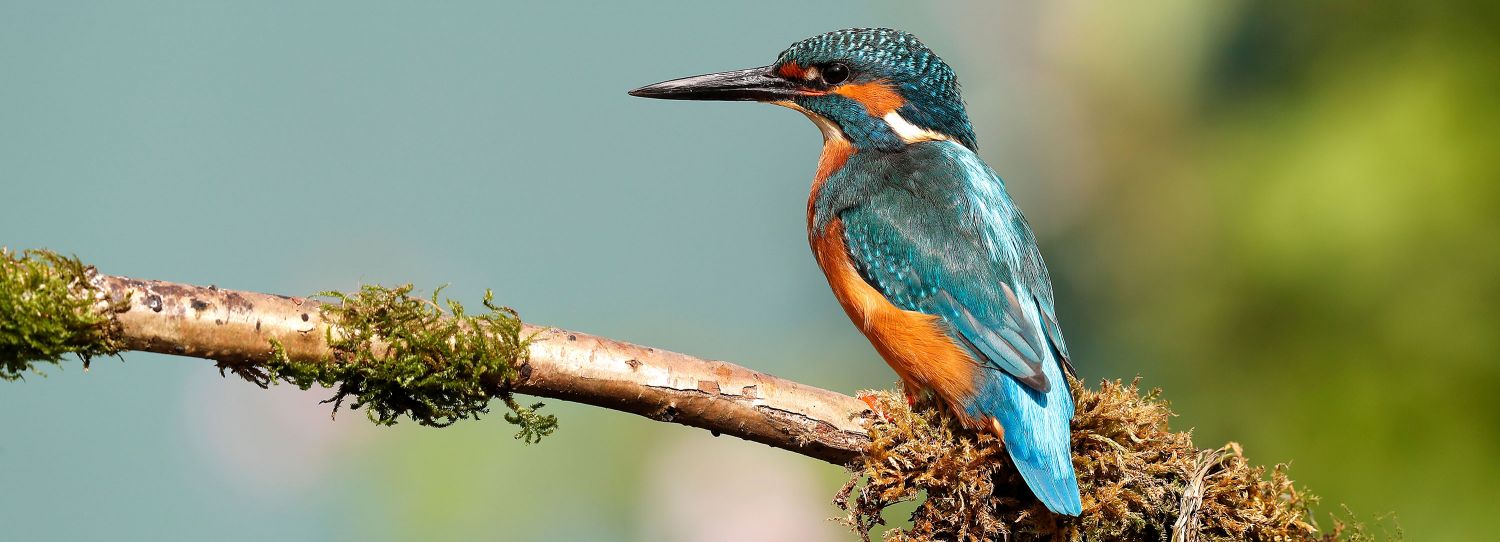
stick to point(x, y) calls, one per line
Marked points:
point(238, 327)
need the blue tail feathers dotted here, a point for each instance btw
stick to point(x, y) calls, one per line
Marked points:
point(1049, 475)
point(1037, 433)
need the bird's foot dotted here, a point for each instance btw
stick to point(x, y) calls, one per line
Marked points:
point(874, 402)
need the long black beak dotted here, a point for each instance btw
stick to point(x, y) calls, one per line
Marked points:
point(754, 84)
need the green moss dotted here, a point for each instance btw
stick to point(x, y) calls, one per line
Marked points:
point(401, 356)
point(48, 310)
point(1348, 529)
point(1131, 469)
point(393, 355)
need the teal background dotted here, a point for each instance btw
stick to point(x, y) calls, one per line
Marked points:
point(1283, 213)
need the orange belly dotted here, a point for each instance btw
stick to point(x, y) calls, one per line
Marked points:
point(912, 343)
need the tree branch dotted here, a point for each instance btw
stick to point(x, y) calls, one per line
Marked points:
point(238, 327)
point(400, 356)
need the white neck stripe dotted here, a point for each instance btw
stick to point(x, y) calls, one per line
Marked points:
point(910, 133)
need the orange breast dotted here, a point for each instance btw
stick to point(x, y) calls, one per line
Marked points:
point(912, 343)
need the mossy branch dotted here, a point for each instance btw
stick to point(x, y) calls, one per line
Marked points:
point(398, 356)
point(401, 356)
point(48, 309)
point(1140, 481)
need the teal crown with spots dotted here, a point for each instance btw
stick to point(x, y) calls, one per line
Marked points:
point(928, 84)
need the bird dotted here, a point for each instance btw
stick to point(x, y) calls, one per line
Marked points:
point(922, 245)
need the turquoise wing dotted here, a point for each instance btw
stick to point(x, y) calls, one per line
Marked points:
point(943, 238)
point(930, 251)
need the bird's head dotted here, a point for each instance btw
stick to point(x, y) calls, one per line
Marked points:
point(876, 88)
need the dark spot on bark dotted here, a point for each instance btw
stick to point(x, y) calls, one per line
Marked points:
point(238, 303)
point(199, 305)
point(523, 373)
point(712, 432)
point(649, 349)
point(179, 348)
point(153, 302)
point(633, 364)
point(668, 414)
point(257, 326)
point(167, 289)
point(572, 337)
point(213, 288)
point(304, 317)
point(218, 322)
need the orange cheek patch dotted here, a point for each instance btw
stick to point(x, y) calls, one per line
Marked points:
point(878, 97)
point(791, 70)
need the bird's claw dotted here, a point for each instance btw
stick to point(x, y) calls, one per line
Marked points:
point(874, 403)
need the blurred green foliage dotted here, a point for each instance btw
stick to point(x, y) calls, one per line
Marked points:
point(1304, 250)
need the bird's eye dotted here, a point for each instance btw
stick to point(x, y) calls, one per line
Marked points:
point(835, 73)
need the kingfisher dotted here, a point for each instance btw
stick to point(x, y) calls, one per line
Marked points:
point(919, 240)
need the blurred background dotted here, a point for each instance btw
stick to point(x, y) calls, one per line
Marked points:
point(1285, 214)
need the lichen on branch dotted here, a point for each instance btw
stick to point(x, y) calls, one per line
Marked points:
point(49, 309)
point(1140, 481)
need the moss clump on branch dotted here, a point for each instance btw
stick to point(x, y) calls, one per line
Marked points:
point(396, 355)
point(393, 354)
point(1134, 474)
point(48, 308)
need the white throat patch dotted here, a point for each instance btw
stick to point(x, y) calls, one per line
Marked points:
point(908, 132)
point(830, 129)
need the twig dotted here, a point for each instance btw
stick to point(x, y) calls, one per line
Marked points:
point(1186, 528)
